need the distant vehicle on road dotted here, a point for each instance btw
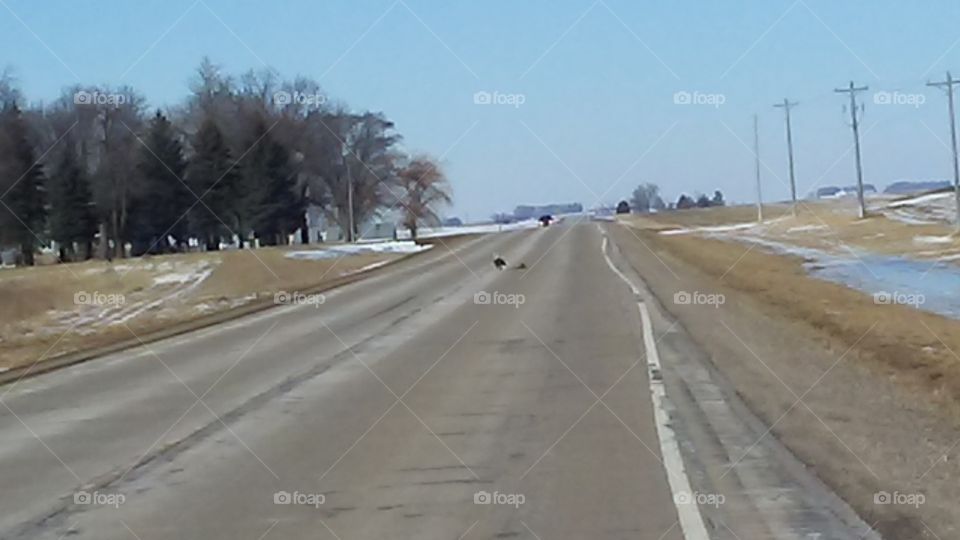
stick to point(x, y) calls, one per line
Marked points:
point(546, 219)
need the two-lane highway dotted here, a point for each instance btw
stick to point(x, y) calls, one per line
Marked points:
point(440, 399)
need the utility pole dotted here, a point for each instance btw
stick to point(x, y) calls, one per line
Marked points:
point(756, 155)
point(953, 139)
point(350, 237)
point(852, 90)
point(786, 105)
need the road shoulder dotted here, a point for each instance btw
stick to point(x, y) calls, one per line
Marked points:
point(856, 429)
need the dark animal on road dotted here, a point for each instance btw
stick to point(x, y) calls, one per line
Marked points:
point(499, 263)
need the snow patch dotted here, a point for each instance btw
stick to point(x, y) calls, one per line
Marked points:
point(485, 228)
point(178, 278)
point(805, 228)
point(914, 201)
point(333, 252)
point(366, 268)
point(933, 240)
point(711, 229)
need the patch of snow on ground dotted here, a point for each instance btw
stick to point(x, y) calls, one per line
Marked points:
point(720, 229)
point(485, 228)
point(933, 240)
point(922, 199)
point(180, 277)
point(333, 252)
point(910, 219)
point(805, 228)
point(927, 209)
point(711, 229)
point(366, 268)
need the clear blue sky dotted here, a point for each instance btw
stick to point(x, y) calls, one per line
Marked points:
point(598, 80)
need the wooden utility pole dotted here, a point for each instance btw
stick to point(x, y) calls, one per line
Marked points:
point(948, 84)
point(786, 105)
point(852, 90)
point(756, 155)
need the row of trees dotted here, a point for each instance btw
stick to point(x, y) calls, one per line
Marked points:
point(700, 201)
point(239, 159)
point(646, 198)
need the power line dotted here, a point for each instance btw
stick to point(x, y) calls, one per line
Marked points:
point(853, 90)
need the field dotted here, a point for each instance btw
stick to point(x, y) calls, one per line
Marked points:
point(768, 262)
point(56, 309)
point(831, 226)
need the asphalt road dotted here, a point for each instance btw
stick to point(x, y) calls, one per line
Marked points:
point(438, 399)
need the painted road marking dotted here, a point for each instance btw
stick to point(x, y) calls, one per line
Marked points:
point(691, 522)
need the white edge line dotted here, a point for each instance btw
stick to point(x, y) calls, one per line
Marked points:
point(691, 522)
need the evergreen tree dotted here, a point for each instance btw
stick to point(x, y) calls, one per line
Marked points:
point(23, 212)
point(212, 177)
point(159, 209)
point(72, 218)
point(270, 205)
point(717, 199)
point(685, 202)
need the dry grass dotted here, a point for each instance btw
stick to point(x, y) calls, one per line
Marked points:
point(26, 293)
point(703, 217)
point(831, 226)
point(40, 319)
point(910, 345)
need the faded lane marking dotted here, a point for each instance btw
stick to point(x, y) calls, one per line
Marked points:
point(691, 522)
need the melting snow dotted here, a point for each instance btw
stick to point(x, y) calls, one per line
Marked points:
point(712, 229)
point(933, 240)
point(486, 228)
point(334, 252)
point(377, 264)
point(929, 197)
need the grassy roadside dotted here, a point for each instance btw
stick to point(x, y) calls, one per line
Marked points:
point(831, 226)
point(161, 296)
point(910, 345)
point(878, 383)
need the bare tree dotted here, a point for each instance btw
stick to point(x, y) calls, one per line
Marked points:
point(372, 160)
point(425, 188)
point(644, 197)
point(351, 162)
point(104, 125)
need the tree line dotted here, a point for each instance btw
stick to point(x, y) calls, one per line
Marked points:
point(238, 160)
point(646, 198)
